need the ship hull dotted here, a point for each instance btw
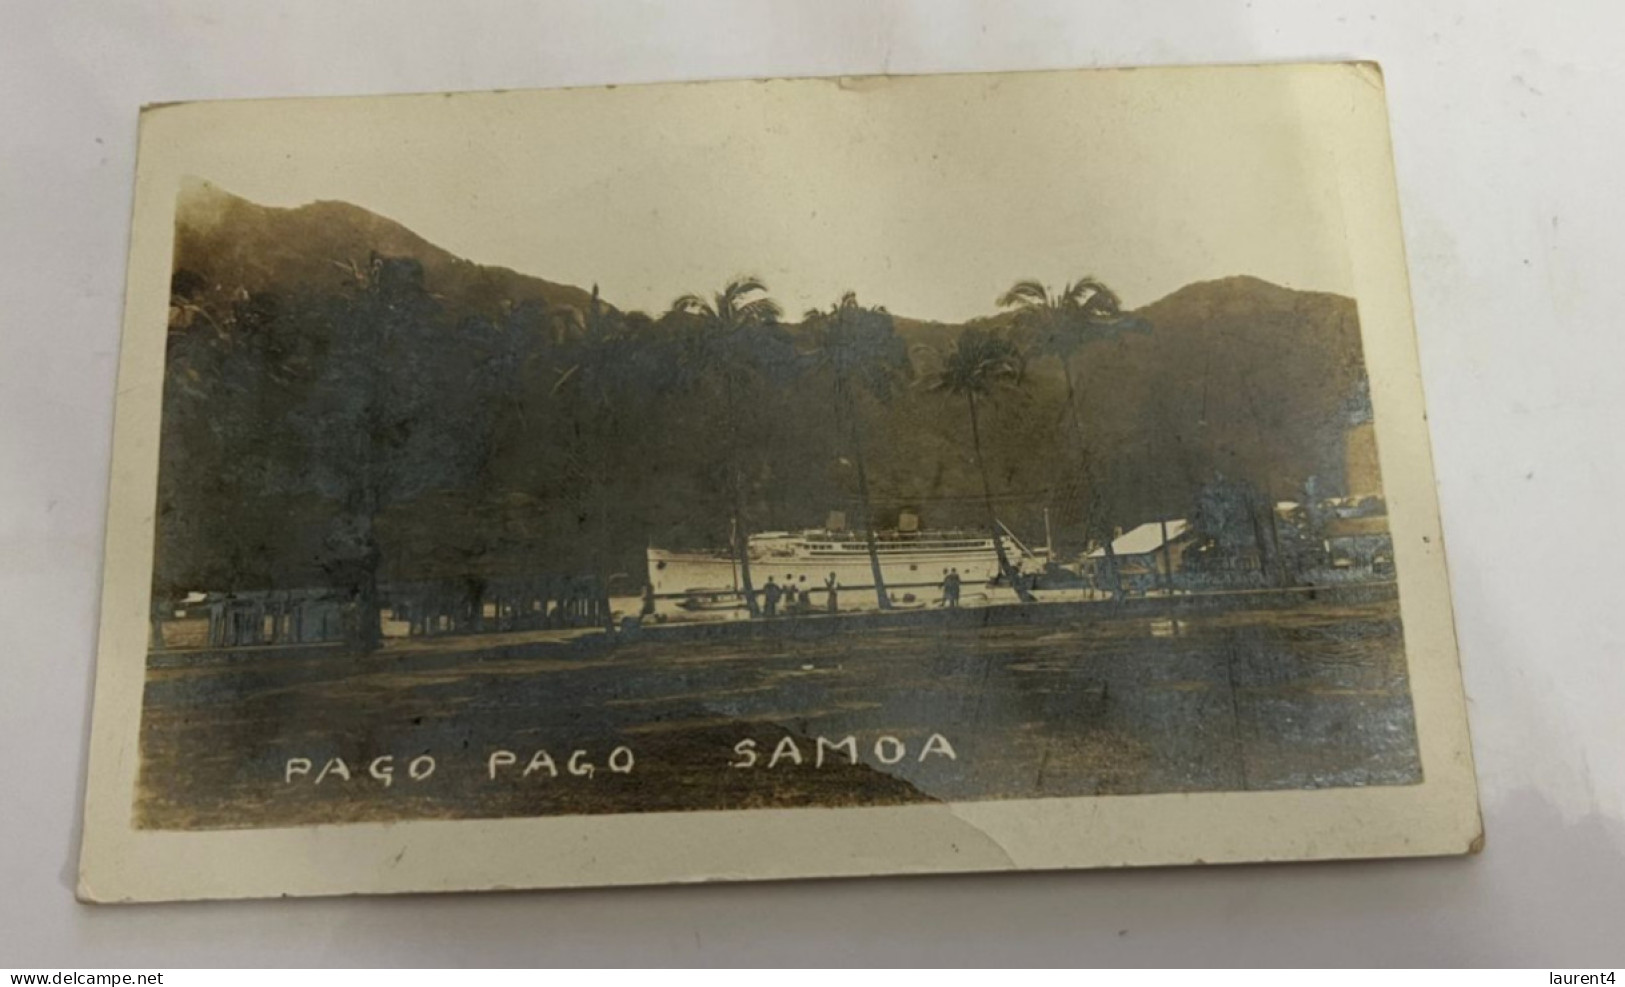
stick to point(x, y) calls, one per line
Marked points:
point(915, 577)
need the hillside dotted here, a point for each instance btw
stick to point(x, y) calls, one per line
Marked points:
point(230, 241)
point(1235, 377)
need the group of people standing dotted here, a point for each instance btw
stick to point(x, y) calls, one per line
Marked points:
point(794, 596)
point(797, 596)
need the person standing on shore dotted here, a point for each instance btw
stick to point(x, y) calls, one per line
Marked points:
point(771, 594)
point(832, 587)
point(950, 589)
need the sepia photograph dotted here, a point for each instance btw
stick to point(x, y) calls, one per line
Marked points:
point(739, 447)
point(810, 484)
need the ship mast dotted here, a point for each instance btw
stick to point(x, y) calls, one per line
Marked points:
point(733, 556)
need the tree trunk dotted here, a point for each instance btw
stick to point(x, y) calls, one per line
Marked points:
point(1112, 571)
point(369, 635)
point(1282, 577)
point(600, 563)
point(370, 498)
point(1005, 568)
point(156, 612)
point(742, 553)
point(1265, 562)
point(1072, 405)
point(1115, 576)
point(741, 536)
point(474, 604)
point(882, 598)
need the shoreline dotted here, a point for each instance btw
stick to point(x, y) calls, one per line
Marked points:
point(428, 652)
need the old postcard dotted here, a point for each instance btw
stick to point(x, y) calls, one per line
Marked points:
point(753, 480)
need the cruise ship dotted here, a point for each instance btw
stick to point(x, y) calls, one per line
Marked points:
point(912, 563)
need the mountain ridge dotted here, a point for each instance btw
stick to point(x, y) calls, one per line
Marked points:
point(346, 233)
point(1237, 376)
point(229, 239)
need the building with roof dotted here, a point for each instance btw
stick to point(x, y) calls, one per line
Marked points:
point(1147, 555)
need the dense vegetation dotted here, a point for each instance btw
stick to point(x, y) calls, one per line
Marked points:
point(341, 418)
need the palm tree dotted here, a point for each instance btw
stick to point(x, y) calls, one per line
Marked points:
point(719, 348)
point(1059, 324)
point(977, 366)
point(862, 350)
point(377, 376)
point(592, 420)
